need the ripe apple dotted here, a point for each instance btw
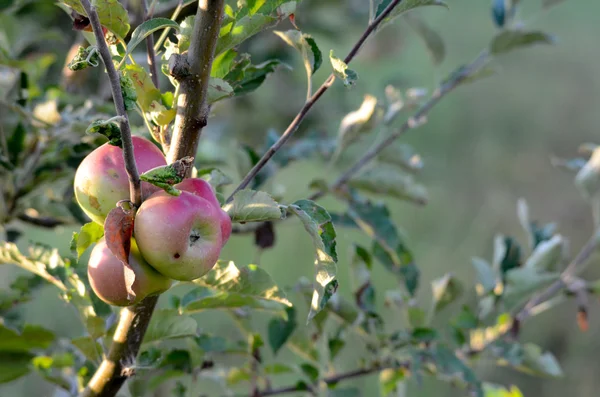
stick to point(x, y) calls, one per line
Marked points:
point(201, 188)
point(180, 236)
point(101, 180)
point(107, 276)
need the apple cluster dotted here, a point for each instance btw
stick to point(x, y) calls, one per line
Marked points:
point(174, 237)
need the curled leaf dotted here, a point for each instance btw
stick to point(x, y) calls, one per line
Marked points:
point(118, 228)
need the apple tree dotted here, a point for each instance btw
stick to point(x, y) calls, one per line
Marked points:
point(154, 215)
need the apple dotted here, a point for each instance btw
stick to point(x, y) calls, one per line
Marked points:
point(101, 180)
point(180, 236)
point(201, 188)
point(106, 274)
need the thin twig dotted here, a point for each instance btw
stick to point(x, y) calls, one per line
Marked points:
point(41, 221)
point(577, 265)
point(135, 188)
point(450, 84)
point(329, 380)
point(192, 71)
point(311, 101)
point(150, 46)
point(165, 32)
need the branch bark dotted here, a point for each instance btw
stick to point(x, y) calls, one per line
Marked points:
point(192, 71)
point(293, 127)
point(135, 187)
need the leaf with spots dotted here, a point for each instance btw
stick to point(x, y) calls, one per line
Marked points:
point(318, 224)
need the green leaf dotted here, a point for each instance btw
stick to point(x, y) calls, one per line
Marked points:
point(16, 143)
point(111, 13)
point(84, 58)
point(509, 40)
point(522, 282)
point(147, 28)
point(10, 254)
point(486, 277)
point(129, 91)
point(433, 41)
point(233, 35)
point(306, 45)
point(341, 71)
point(218, 89)
point(253, 206)
point(89, 234)
point(387, 180)
point(364, 292)
point(318, 224)
point(527, 358)
point(445, 291)
point(146, 92)
point(14, 366)
point(215, 177)
point(91, 349)
point(279, 329)
point(169, 324)
point(449, 364)
point(222, 64)
point(32, 337)
point(227, 287)
point(402, 156)
point(547, 254)
point(403, 7)
point(109, 128)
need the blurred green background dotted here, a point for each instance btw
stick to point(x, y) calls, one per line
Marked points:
point(484, 147)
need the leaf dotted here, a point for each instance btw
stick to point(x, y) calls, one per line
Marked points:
point(245, 77)
point(215, 177)
point(357, 123)
point(118, 228)
point(14, 366)
point(169, 324)
point(10, 254)
point(109, 128)
point(402, 156)
point(450, 365)
point(445, 291)
point(222, 64)
point(91, 349)
point(16, 143)
point(433, 41)
point(528, 358)
point(32, 337)
point(147, 28)
point(146, 92)
point(387, 180)
point(111, 13)
point(218, 89)
point(341, 71)
point(306, 45)
point(232, 36)
point(279, 329)
point(318, 224)
point(253, 206)
point(486, 277)
point(521, 282)
point(547, 254)
point(403, 7)
point(89, 234)
point(165, 176)
point(128, 90)
point(84, 58)
point(509, 40)
point(227, 287)
point(364, 292)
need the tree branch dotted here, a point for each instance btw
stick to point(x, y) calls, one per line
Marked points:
point(456, 77)
point(193, 73)
point(291, 129)
point(150, 46)
point(119, 365)
point(135, 188)
point(330, 380)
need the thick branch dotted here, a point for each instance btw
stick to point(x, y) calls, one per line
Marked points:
point(119, 365)
point(135, 188)
point(311, 101)
point(150, 47)
point(193, 73)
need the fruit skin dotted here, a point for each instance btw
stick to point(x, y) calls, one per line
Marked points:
point(107, 276)
point(101, 180)
point(179, 236)
point(201, 188)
